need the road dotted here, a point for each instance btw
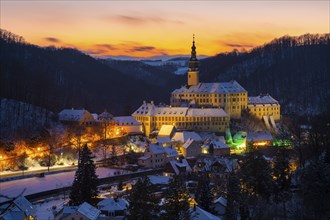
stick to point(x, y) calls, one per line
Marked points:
point(41, 170)
point(54, 181)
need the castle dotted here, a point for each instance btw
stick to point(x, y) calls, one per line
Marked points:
point(206, 106)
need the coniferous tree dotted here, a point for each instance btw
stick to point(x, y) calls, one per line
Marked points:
point(327, 156)
point(120, 185)
point(142, 203)
point(203, 193)
point(84, 187)
point(211, 149)
point(281, 173)
point(176, 200)
point(233, 195)
point(315, 193)
point(256, 184)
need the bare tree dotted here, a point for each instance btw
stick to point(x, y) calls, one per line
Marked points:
point(75, 137)
point(107, 124)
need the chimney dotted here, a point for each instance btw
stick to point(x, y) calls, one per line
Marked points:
point(152, 102)
point(144, 102)
point(194, 207)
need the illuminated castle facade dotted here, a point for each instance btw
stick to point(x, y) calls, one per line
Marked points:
point(205, 106)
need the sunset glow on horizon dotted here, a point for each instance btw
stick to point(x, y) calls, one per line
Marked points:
point(145, 28)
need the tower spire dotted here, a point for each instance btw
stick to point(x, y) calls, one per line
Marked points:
point(193, 62)
point(193, 73)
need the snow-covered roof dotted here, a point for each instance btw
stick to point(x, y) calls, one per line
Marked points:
point(201, 112)
point(69, 209)
point(89, 211)
point(72, 114)
point(95, 116)
point(144, 158)
point(228, 164)
point(24, 205)
point(165, 131)
point(262, 100)
point(163, 140)
point(259, 136)
point(212, 88)
point(180, 164)
point(147, 109)
point(222, 201)
point(185, 135)
point(105, 116)
point(217, 144)
point(111, 204)
point(200, 214)
point(159, 179)
point(171, 151)
point(126, 120)
point(12, 215)
point(188, 143)
point(156, 149)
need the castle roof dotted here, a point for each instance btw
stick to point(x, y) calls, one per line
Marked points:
point(148, 109)
point(212, 88)
point(262, 100)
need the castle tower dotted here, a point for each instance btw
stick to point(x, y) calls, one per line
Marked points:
point(193, 73)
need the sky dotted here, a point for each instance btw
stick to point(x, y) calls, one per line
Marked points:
point(156, 28)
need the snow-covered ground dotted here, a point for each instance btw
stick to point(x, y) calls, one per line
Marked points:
point(33, 169)
point(49, 182)
point(44, 210)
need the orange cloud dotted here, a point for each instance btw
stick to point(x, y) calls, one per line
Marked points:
point(134, 20)
point(52, 39)
point(131, 48)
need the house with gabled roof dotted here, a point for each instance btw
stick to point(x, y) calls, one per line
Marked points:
point(113, 207)
point(197, 213)
point(156, 155)
point(176, 167)
point(191, 148)
point(83, 212)
point(220, 148)
point(76, 116)
point(220, 205)
point(19, 208)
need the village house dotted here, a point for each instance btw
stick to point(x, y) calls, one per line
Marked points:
point(83, 212)
point(191, 148)
point(128, 125)
point(220, 148)
point(220, 166)
point(113, 207)
point(180, 138)
point(260, 139)
point(156, 156)
point(197, 213)
point(76, 116)
point(176, 167)
point(220, 205)
point(19, 208)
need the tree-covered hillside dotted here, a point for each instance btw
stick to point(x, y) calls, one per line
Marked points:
point(57, 78)
point(294, 70)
